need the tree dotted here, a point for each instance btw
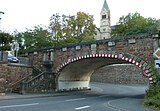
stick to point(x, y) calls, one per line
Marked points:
point(85, 29)
point(5, 41)
point(36, 38)
point(42, 37)
point(153, 25)
point(134, 23)
point(72, 29)
point(55, 27)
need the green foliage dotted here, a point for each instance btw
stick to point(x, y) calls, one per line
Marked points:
point(72, 29)
point(5, 41)
point(154, 101)
point(152, 97)
point(134, 23)
point(36, 38)
point(156, 73)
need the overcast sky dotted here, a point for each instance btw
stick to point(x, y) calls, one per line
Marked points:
point(22, 14)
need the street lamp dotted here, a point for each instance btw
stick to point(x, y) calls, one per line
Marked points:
point(1, 18)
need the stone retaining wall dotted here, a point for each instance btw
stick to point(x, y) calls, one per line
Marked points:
point(120, 74)
point(10, 73)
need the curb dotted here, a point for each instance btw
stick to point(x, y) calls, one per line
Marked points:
point(25, 96)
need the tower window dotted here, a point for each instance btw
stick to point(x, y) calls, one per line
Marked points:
point(103, 16)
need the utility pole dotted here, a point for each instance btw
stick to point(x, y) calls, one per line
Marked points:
point(1, 18)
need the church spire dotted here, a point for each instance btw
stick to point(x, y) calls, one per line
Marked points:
point(105, 7)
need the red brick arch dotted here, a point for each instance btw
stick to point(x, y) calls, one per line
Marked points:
point(126, 57)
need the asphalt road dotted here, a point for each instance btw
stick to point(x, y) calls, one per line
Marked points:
point(102, 97)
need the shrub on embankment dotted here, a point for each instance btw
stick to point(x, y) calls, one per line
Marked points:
point(152, 97)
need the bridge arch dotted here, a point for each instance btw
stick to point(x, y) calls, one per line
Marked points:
point(85, 64)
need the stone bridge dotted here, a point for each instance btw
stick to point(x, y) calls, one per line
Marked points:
point(75, 63)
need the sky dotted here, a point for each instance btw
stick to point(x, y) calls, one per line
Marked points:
point(22, 14)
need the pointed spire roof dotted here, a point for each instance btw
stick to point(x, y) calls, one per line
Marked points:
point(105, 6)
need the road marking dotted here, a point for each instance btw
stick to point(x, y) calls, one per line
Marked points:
point(113, 107)
point(82, 107)
point(78, 99)
point(103, 96)
point(19, 105)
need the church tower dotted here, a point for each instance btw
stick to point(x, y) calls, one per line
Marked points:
point(105, 27)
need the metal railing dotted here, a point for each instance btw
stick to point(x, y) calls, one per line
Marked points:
point(35, 80)
point(17, 85)
point(36, 71)
point(28, 81)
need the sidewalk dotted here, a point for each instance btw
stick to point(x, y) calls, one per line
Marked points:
point(30, 95)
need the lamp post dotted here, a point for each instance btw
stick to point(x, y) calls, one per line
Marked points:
point(1, 18)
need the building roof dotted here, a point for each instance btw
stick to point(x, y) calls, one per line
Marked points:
point(105, 6)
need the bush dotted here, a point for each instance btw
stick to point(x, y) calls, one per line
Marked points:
point(153, 101)
point(152, 97)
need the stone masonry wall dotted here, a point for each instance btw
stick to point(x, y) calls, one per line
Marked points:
point(120, 74)
point(140, 46)
point(10, 73)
